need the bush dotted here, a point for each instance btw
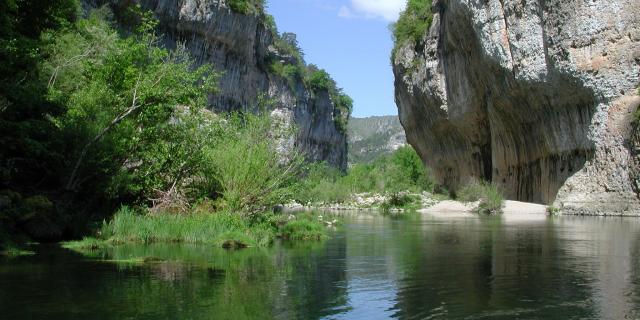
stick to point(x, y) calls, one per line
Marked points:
point(412, 24)
point(247, 6)
point(490, 197)
point(291, 72)
point(319, 79)
point(244, 162)
point(553, 211)
point(400, 201)
point(134, 112)
point(343, 105)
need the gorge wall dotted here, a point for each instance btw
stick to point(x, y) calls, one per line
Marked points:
point(536, 96)
point(241, 46)
point(372, 137)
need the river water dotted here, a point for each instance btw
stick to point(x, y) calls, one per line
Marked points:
point(373, 267)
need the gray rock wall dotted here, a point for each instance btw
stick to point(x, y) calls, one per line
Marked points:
point(240, 46)
point(536, 96)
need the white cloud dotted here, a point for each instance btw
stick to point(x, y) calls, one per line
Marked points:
point(345, 12)
point(388, 10)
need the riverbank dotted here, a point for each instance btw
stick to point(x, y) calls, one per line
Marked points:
point(371, 201)
point(218, 229)
point(424, 202)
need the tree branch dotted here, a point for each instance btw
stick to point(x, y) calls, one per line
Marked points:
point(134, 106)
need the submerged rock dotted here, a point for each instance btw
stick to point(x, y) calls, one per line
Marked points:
point(535, 96)
point(233, 245)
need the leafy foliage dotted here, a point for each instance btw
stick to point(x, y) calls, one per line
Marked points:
point(294, 69)
point(401, 171)
point(400, 200)
point(247, 6)
point(252, 176)
point(412, 24)
point(91, 119)
point(30, 151)
point(126, 103)
point(320, 80)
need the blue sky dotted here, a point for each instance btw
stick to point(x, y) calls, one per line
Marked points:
point(351, 40)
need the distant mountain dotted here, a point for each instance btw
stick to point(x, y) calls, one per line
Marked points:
point(372, 137)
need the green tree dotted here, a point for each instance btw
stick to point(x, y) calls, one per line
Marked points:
point(31, 149)
point(132, 109)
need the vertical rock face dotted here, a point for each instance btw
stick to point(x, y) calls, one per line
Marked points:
point(536, 96)
point(372, 137)
point(241, 47)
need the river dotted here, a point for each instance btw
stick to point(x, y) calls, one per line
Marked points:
point(373, 267)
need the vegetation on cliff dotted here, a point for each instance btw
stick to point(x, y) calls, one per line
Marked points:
point(247, 6)
point(291, 66)
point(412, 24)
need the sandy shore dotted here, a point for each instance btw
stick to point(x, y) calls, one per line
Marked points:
point(512, 210)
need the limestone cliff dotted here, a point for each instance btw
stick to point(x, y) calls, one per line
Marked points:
point(372, 137)
point(536, 96)
point(241, 46)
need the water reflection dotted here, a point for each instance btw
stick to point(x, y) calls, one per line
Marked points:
point(374, 267)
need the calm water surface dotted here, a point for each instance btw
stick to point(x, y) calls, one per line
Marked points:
point(373, 267)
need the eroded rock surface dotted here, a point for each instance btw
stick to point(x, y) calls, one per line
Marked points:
point(536, 96)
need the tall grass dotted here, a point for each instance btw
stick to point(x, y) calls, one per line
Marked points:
point(489, 195)
point(303, 229)
point(220, 229)
point(215, 228)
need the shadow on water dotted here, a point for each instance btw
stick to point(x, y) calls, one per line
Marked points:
point(374, 266)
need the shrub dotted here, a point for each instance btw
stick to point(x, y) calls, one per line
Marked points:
point(252, 175)
point(490, 197)
point(319, 79)
point(291, 72)
point(247, 6)
point(471, 192)
point(492, 201)
point(412, 24)
point(553, 211)
point(400, 201)
point(125, 120)
point(343, 105)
